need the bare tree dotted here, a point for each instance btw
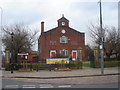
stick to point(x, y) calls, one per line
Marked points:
point(89, 53)
point(23, 39)
point(95, 33)
point(112, 42)
point(111, 39)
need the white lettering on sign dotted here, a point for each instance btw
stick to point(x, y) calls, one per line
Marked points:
point(23, 54)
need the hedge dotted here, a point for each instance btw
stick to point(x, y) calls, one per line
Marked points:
point(106, 64)
point(41, 66)
point(71, 65)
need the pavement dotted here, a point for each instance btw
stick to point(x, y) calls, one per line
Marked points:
point(46, 74)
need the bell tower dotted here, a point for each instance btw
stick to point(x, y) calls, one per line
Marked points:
point(63, 22)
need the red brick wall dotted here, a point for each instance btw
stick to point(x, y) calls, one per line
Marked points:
point(51, 40)
point(30, 58)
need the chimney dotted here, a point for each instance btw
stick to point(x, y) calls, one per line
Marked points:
point(42, 27)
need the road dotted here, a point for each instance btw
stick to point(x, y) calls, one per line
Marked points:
point(7, 83)
point(107, 81)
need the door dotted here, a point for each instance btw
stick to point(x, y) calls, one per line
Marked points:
point(52, 53)
point(74, 55)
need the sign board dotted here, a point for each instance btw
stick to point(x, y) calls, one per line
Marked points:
point(23, 54)
point(57, 60)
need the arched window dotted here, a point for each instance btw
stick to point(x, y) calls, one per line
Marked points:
point(63, 39)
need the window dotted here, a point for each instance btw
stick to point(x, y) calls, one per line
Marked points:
point(52, 53)
point(63, 39)
point(64, 52)
point(74, 54)
point(63, 23)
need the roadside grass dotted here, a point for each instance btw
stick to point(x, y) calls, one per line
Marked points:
point(86, 63)
point(109, 63)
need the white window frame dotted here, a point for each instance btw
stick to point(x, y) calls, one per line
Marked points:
point(66, 52)
point(76, 54)
point(65, 39)
point(51, 52)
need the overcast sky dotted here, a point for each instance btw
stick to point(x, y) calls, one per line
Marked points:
point(80, 13)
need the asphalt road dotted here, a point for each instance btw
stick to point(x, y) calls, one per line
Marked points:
point(6, 83)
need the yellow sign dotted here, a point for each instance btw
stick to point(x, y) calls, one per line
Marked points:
point(57, 61)
point(102, 51)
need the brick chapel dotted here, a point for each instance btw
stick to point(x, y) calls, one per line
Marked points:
point(62, 40)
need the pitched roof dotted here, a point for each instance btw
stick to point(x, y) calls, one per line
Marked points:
point(63, 18)
point(68, 27)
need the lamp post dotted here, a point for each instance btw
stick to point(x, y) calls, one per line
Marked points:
point(102, 39)
point(1, 43)
point(12, 52)
point(1, 40)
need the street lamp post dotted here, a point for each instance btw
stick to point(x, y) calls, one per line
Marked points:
point(1, 39)
point(102, 39)
point(12, 52)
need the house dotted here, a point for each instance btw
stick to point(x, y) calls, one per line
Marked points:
point(61, 40)
point(27, 57)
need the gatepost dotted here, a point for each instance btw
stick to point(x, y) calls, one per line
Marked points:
point(96, 58)
point(7, 59)
point(80, 57)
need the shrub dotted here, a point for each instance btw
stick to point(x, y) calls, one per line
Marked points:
point(7, 67)
point(75, 64)
point(44, 66)
point(108, 63)
point(95, 64)
point(111, 63)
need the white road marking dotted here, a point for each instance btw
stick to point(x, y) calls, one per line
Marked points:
point(46, 86)
point(11, 86)
point(29, 86)
point(63, 86)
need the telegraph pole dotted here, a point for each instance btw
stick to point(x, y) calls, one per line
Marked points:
point(1, 39)
point(12, 62)
point(102, 39)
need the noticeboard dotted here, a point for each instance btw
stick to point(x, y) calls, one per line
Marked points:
point(57, 61)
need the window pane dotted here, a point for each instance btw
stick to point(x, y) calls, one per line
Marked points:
point(64, 52)
point(63, 39)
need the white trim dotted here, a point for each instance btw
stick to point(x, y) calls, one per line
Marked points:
point(66, 51)
point(72, 54)
point(51, 52)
